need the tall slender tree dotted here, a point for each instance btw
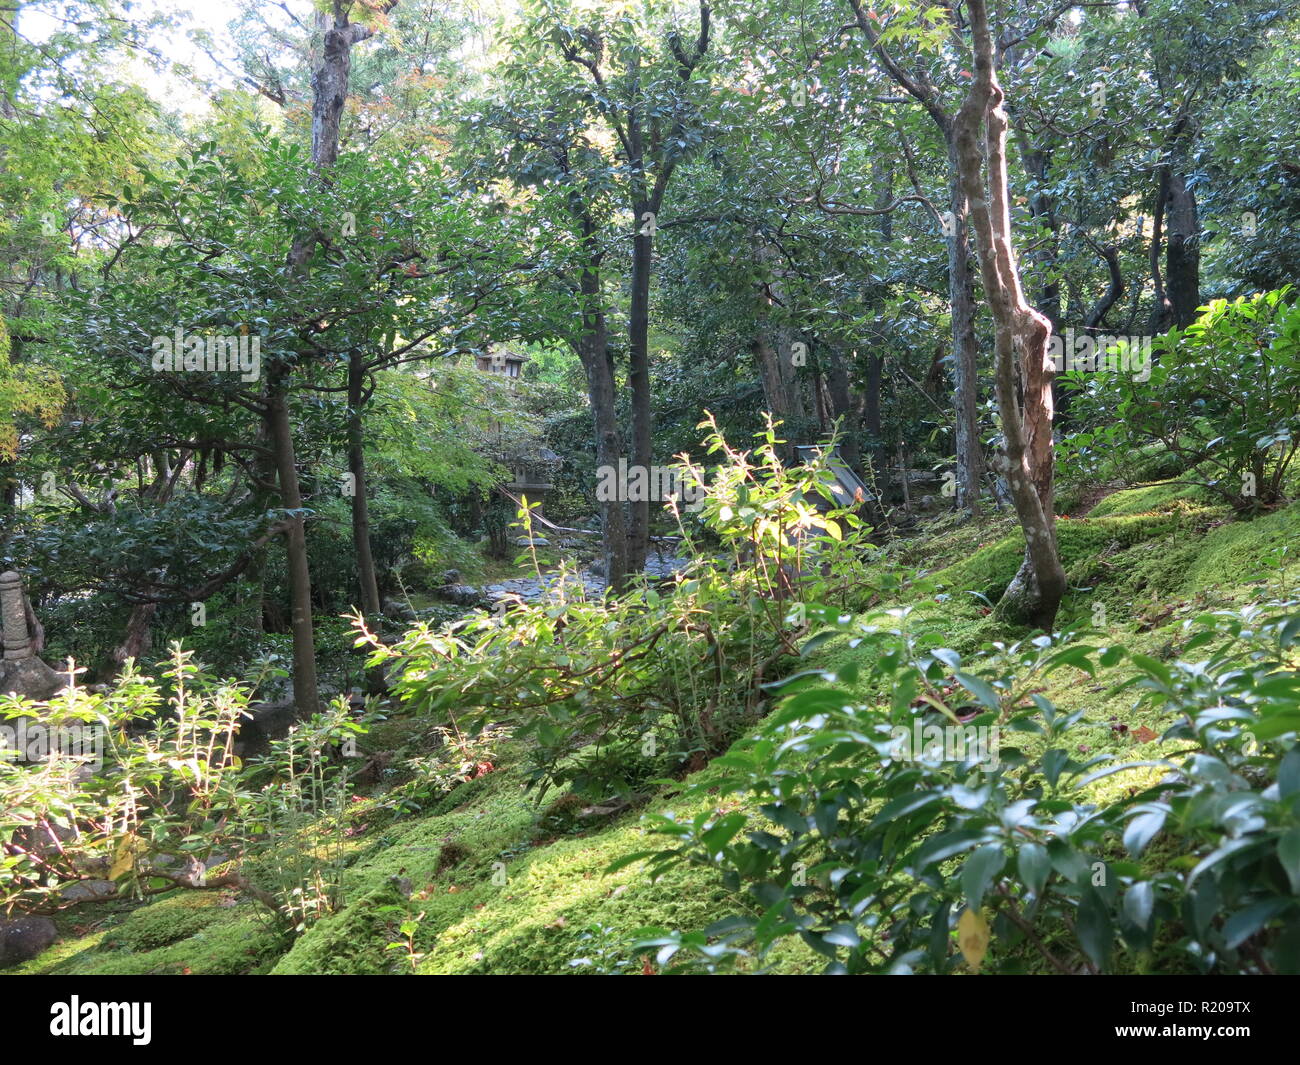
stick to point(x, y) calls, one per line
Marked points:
point(1021, 336)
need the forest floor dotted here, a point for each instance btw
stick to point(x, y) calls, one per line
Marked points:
point(496, 883)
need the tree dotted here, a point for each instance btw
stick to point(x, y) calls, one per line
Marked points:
point(645, 99)
point(920, 86)
point(1021, 334)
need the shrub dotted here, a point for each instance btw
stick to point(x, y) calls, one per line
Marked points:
point(613, 692)
point(142, 788)
point(1223, 398)
point(879, 857)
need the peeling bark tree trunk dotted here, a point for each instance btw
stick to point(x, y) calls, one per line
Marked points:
point(1035, 593)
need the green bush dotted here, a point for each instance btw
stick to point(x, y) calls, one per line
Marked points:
point(1222, 401)
point(140, 785)
point(883, 858)
point(614, 692)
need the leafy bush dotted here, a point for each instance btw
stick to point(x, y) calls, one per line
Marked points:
point(297, 819)
point(614, 692)
point(139, 785)
point(1223, 398)
point(879, 856)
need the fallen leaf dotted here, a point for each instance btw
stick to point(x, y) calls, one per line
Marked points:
point(973, 938)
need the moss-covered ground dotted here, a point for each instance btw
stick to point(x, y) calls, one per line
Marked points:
point(497, 883)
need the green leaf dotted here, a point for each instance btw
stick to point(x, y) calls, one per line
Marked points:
point(1288, 773)
point(1219, 854)
point(938, 848)
point(1034, 866)
point(1142, 829)
point(1139, 901)
point(1245, 923)
point(1153, 666)
point(1096, 933)
point(979, 870)
point(629, 859)
point(1288, 853)
point(722, 831)
point(978, 688)
point(843, 935)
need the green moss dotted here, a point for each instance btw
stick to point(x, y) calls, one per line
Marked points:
point(1236, 552)
point(502, 905)
point(1150, 498)
point(496, 818)
point(64, 956)
point(199, 933)
point(164, 922)
point(461, 794)
point(506, 888)
point(988, 569)
point(353, 942)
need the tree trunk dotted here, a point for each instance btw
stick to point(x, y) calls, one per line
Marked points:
point(1176, 228)
point(872, 422)
point(774, 351)
point(965, 371)
point(306, 696)
point(961, 290)
point(775, 396)
point(1182, 252)
point(138, 636)
point(843, 405)
point(329, 93)
point(366, 577)
point(638, 537)
point(593, 349)
point(1035, 593)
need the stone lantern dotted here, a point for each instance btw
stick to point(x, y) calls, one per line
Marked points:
point(21, 672)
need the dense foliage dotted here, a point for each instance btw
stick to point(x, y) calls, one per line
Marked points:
point(651, 487)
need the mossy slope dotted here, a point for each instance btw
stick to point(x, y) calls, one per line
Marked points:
point(506, 887)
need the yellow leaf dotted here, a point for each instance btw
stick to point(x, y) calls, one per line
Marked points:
point(973, 938)
point(125, 859)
